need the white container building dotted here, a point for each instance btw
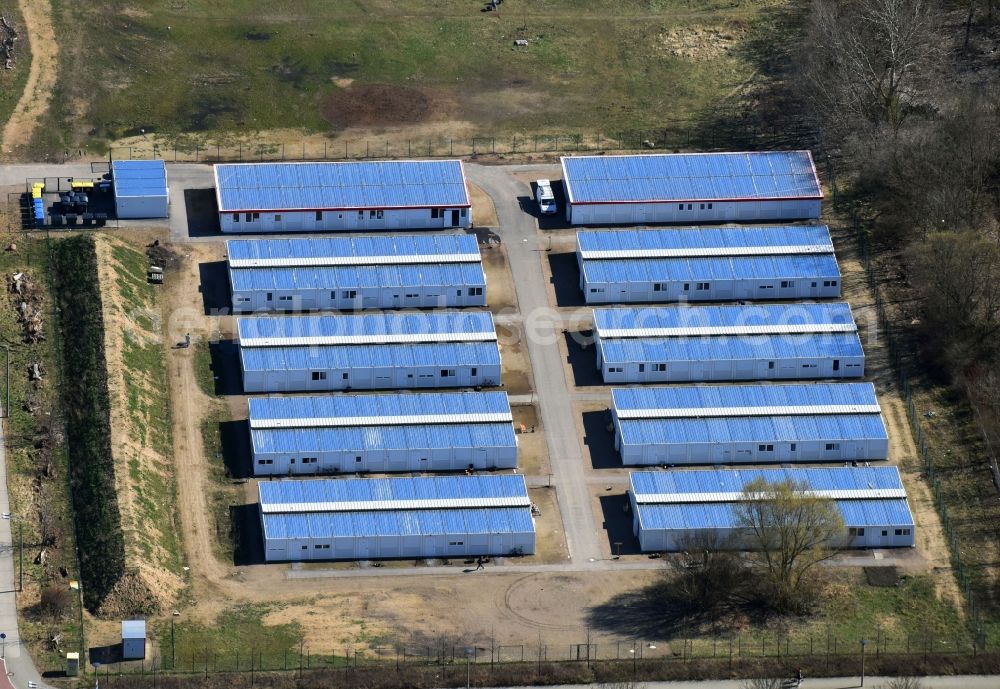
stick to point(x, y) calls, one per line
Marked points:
point(748, 424)
point(386, 518)
point(707, 264)
point(680, 510)
point(372, 351)
point(666, 344)
point(133, 639)
point(430, 431)
point(140, 188)
point(350, 273)
point(691, 188)
point(330, 197)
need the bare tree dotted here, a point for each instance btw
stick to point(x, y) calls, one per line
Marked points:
point(956, 275)
point(866, 62)
point(705, 577)
point(903, 683)
point(763, 683)
point(789, 532)
point(55, 601)
point(941, 175)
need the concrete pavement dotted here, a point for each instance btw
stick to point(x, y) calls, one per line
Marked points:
point(519, 233)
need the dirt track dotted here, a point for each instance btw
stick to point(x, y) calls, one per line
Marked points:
point(931, 543)
point(41, 76)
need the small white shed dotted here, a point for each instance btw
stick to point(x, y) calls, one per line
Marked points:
point(141, 189)
point(133, 639)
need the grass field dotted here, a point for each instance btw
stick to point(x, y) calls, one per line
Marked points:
point(143, 448)
point(238, 65)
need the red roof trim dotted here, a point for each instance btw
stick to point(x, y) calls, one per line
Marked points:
point(356, 208)
point(659, 201)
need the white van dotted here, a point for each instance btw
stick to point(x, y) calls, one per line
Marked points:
point(543, 194)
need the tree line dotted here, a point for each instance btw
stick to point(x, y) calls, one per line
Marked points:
point(903, 93)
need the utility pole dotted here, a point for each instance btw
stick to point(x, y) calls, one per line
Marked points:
point(864, 642)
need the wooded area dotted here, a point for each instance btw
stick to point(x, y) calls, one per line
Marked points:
point(902, 93)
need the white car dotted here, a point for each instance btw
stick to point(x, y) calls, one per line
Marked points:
point(543, 194)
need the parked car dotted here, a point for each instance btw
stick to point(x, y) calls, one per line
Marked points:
point(544, 196)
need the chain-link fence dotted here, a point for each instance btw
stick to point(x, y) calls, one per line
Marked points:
point(732, 648)
point(716, 130)
point(962, 573)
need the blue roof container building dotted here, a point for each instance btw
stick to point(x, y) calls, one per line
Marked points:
point(431, 431)
point(349, 273)
point(661, 344)
point(369, 195)
point(749, 424)
point(707, 264)
point(383, 518)
point(691, 188)
point(133, 639)
point(140, 188)
point(376, 351)
point(682, 510)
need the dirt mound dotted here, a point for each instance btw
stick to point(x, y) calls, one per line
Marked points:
point(130, 596)
point(375, 105)
point(701, 43)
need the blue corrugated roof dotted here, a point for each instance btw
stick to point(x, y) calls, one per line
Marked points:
point(755, 429)
point(367, 324)
point(358, 277)
point(703, 238)
point(721, 316)
point(856, 513)
point(336, 186)
point(409, 488)
point(792, 267)
point(399, 523)
point(713, 396)
point(704, 481)
point(732, 348)
point(139, 178)
point(346, 357)
point(321, 248)
point(691, 177)
point(385, 406)
point(368, 438)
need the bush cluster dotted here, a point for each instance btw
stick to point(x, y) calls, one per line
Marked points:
point(88, 419)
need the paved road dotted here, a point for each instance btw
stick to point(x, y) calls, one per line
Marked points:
point(19, 667)
point(520, 236)
point(954, 682)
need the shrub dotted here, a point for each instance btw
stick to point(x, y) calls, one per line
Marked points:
point(88, 419)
